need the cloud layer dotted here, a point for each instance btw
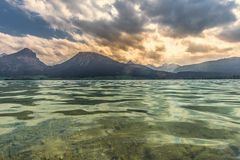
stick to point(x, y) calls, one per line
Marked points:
point(147, 31)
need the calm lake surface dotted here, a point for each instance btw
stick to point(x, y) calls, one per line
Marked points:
point(120, 120)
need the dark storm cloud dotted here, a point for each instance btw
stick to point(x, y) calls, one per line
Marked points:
point(14, 21)
point(184, 17)
point(109, 35)
point(189, 16)
point(125, 42)
point(100, 28)
point(231, 35)
point(127, 21)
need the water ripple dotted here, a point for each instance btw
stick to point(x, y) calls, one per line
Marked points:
point(120, 119)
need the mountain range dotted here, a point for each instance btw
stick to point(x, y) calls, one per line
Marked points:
point(25, 64)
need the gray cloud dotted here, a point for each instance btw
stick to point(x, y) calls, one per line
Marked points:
point(100, 28)
point(190, 16)
point(231, 34)
point(128, 21)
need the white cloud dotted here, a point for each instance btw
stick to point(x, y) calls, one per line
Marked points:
point(59, 13)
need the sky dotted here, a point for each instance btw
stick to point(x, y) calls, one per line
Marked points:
point(142, 31)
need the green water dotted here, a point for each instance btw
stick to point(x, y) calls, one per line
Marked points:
point(120, 120)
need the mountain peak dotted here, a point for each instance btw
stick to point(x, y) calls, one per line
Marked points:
point(26, 52)
point(88, 57)
point(130, 62)
point(21, 63)
point(88, 54)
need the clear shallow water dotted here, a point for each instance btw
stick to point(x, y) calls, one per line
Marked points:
point(118, 120)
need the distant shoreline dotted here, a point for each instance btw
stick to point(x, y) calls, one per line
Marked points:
point(117, 78)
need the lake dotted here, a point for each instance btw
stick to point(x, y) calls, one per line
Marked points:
point(120, 120)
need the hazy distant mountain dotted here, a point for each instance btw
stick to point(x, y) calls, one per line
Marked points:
point(24, 62)
point(165, 67)
point(224, 66)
